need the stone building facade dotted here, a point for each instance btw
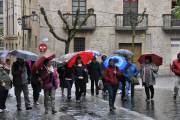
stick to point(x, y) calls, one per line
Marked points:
point(109, 29)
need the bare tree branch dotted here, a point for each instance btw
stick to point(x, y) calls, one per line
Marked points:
point(64, 20)
point(90, 12)
point(50, 27)
point(142, 17)
point(76, 18)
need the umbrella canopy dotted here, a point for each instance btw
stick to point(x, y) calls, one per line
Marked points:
point(85, 57)
point(39, 63)
point(119, 61)
point(95, 52)
point(66, 57)
point(4, 53)
point(124, 52)
point(25, 55)
point(55, 63)
point(156, 59)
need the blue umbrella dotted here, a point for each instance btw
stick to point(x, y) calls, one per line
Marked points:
point(119, 61)
point(4, 53)
point(25, 55)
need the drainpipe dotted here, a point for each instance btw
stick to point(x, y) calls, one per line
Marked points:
point(7, 18)
point(22, 24)
point(13, 17)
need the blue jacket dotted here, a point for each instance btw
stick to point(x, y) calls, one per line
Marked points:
point(134, 71)
point(95, 71)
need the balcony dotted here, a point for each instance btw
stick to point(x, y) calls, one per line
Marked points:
point(123, 22)
point(170, 22)
point(26, 23)
point(89, 25)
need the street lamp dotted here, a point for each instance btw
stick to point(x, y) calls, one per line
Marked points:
point(19, 20)
point(34, 16)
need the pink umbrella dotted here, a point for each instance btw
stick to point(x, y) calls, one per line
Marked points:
point(39, 62)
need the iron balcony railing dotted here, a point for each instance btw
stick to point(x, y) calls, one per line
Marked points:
point(26, 23)
point(170, 22)
point(89, 25)
point(123, 22)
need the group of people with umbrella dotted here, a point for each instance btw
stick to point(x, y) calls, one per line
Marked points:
point(75, 68)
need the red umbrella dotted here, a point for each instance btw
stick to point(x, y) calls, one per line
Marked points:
point(156, 59)
point(39, 62)
point(85, 57)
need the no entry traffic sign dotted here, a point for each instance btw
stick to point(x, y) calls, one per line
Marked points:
point(42, 47)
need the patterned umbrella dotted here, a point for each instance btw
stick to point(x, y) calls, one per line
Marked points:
point(95, 52)
point(123, 52)
point(119, 61)
point(66, 57)
point(25, 55)
point(55, 63)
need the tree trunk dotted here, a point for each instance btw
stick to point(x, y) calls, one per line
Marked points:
point(67, 47)
point(133, 37)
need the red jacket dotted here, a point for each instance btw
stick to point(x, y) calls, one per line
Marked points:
point(110, 77)
point(176, 66)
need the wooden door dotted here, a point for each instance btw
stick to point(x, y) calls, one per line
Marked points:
point(137, 51)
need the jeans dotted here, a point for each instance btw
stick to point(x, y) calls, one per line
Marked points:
point(92, 86)
point(79, 84)
point(127, 88)
point(69, 85)
point(132, 91)
point(18, 89)
point(123, 86)
point(112, 90)
point(3, 98)
point(36, 89)
point(151, 88)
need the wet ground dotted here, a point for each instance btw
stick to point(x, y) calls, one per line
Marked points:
point(162, 107)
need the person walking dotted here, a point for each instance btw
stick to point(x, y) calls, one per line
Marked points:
point(8, 68)
point(134, 71)
point(77, 75)
point(103, 58)
point(68, 80)
point(5, 86)
point(176, 69)
point(110, 75)
point(36, 84)
point(146, 74)
point(95, 75)
point(21, 78)
point(63, 83)
point(50, 84)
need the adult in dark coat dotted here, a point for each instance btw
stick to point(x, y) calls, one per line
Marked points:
point(61, 72)
point(36, 85)
point(95, 74)
point(21, 77)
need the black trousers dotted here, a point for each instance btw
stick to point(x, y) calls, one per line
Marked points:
point(3, 98)
point(36, 90)
point(123, 88)
point(104, 84)
point(92, 86)
point(151, 88)
point(79, 84)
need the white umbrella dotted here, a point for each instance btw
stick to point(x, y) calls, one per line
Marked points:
point(66, 57)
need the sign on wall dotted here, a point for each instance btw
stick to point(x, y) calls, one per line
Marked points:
point(45, 39)
point(42, 47)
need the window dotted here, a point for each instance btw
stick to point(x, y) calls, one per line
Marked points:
point(1, 6)
point(2, 44)
point(174, 20)
point(79, 44)
point(173, 4)
point(82, 6)
point(134, 8)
